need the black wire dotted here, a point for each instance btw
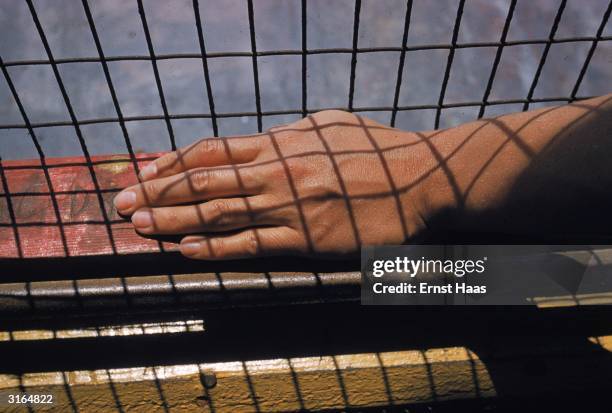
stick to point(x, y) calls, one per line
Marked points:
point(295, 112)
point(497, 59)
point(583, 70)
point(304, 60)
point(549, 42)
point(11, 211)
point(209, 94)
point(255, 69)
point(400, 67)
point(158, 82)
point(73, 119)
point(215, 55)
point(304, 52)
point(354, 54)
point(111, 87)
point(43, 166)
point(449, 63)
point(104, 222)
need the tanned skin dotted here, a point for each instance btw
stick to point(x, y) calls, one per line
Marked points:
point(334, 181)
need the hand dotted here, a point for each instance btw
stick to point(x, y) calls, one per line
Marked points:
point(334, 182)
point(326, 184)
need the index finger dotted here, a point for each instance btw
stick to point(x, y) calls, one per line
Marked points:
point(204, 153)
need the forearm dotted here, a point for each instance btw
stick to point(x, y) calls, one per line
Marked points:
point(334, 182)
point(543, 172)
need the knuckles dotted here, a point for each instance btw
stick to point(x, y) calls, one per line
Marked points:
point(249, 246)
point(333, 115)
point(151, 191)
point(199, 180)
point(209, 147)
point(251, 243)
point(294, 169)
point(299, 168)
point(217, 213)
point(217, 247)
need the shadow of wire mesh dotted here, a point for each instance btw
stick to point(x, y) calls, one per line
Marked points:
point(81, 78)
point(84, 78)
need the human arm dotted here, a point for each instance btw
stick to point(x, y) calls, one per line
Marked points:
point(333, 182)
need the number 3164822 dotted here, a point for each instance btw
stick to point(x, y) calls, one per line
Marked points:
point(21, 398)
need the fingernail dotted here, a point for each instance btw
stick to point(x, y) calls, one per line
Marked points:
point(142, 219)
point(148, 171)
point(125, 200)
point(190, 248)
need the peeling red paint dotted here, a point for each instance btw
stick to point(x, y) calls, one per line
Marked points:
point(83, 229)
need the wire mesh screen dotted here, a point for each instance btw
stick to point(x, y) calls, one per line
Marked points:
point(83, 77)
point(92, 77)
point(89, 77)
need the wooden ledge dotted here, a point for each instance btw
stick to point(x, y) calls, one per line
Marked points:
point(58, 210)
point(328, 382)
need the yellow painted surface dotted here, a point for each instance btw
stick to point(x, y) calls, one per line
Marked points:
point(119, 166)
point(327, 382)
point(573, 300)
point(273, 385)
point(105, 331)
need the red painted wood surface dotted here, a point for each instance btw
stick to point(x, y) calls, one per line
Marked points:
point(32, 228)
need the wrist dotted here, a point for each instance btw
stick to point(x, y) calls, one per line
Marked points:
point(415, 177)
point(427, 185)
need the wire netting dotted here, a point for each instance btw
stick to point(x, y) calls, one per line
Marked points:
point(88, 77)
point(498, 57)
point(83, 77)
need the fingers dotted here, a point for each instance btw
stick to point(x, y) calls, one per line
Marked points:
point(212, 216)
point(206, 152)
point(245, 244)
point(192, 186)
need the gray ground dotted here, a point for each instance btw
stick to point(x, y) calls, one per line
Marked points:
point(173, 30)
